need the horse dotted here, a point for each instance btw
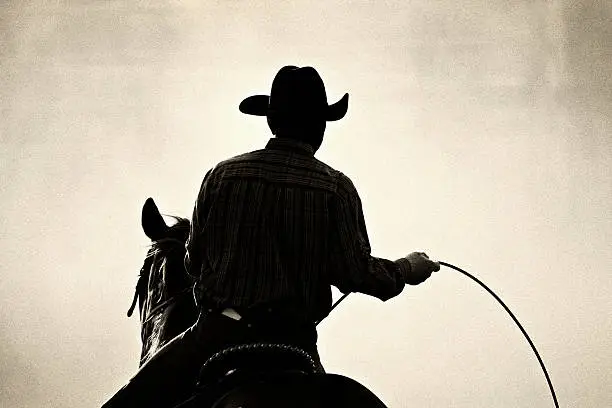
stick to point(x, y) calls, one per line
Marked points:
point(249, 375)
point(164, 288)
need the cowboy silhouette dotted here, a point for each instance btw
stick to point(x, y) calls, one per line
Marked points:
point(272, 230)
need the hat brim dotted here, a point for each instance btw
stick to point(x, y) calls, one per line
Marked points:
point(255, 105)
point(258, 105)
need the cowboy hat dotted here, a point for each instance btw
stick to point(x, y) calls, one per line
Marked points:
point(294, 91)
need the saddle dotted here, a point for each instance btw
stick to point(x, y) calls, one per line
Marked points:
point(258, 358)
point(272, 374)
point(251, 363)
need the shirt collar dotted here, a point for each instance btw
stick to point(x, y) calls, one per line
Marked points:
point(290, 145)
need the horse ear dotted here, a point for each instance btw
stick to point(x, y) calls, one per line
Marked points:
point(153, 223)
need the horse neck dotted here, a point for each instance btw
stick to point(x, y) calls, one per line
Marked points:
point(168, 307)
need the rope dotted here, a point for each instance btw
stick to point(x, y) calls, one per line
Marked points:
point(552, 391)
point(334, 306)
point(550, 386)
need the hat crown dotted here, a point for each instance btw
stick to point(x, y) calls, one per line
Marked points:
point(297, 90)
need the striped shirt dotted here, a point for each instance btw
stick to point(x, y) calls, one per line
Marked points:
point(276, 224)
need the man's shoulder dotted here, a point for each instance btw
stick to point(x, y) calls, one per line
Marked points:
point(341, 178)
point(236, 163)
point(343, 184)
point(241, 158)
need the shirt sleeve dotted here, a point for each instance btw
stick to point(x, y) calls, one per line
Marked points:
point(194, 255)
point(354, 269)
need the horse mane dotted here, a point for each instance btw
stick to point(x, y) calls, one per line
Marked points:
point(176, 237)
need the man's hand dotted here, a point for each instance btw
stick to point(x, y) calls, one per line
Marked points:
point(421, 268)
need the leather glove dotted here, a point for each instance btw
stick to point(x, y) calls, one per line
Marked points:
point(421, 268)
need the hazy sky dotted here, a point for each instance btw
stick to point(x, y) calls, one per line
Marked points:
point(478, 131)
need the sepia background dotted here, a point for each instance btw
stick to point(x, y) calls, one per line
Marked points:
point(478, 131)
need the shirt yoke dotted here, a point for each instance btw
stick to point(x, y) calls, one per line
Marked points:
point(284, 167)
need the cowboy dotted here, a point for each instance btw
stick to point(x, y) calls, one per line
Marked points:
point(272, 230)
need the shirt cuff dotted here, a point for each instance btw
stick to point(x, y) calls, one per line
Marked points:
point(404, 267)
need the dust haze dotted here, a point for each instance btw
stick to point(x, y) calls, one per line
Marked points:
point(477, 131)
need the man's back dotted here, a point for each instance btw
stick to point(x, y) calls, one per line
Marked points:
point(265, 224)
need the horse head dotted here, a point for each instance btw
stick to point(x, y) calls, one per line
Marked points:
point(164, 289)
